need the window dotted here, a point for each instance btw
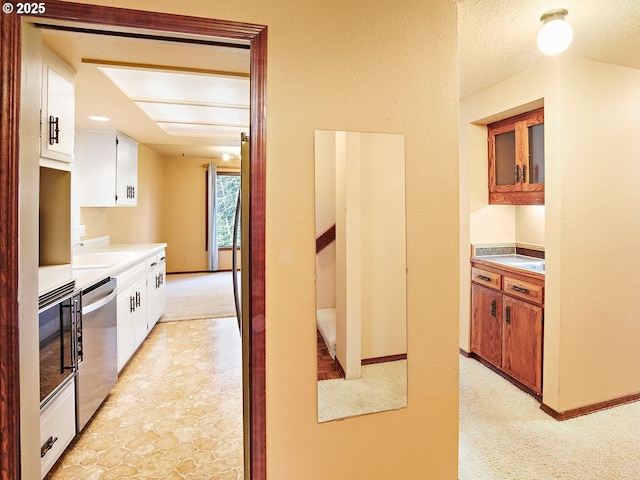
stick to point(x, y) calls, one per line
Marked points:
point(227, 188)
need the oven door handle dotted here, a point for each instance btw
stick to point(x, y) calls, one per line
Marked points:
point(99, 304)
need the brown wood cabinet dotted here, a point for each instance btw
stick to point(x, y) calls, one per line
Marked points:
point(516, 159)
point(507, 323)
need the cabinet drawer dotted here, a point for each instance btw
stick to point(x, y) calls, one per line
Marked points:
point(57, 426)
point(489, 279)
point(525, 290)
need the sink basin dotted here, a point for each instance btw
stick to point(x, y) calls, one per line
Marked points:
point(100, 259)
point(536, 266)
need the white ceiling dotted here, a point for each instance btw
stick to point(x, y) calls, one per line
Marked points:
point(96, 94)
point(497, 39)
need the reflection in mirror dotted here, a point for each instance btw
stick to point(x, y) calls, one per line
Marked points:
point(360, 273)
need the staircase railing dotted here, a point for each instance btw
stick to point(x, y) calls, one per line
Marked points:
point(325, 239)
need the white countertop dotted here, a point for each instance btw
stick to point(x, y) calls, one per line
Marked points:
point(97, 259)
point(531, 264)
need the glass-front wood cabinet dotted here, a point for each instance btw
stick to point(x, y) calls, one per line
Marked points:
point(516, 159)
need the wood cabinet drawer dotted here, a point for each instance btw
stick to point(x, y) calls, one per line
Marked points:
point(490, 279)
point(525, 290)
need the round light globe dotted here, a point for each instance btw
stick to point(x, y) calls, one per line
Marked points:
point(554, 37)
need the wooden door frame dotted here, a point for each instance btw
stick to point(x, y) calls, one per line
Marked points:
point(10, 56)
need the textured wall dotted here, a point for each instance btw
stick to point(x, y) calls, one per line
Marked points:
point(363, 66)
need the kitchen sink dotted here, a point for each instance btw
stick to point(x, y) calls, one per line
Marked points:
point(100, 259)
point(536, 266)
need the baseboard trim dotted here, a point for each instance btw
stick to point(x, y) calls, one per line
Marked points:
point(388, 358)
point(596, 407)
point(464, 353)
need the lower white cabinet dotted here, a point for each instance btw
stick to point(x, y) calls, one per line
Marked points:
point(141, 302)
point(156, 290)
point(57, 426)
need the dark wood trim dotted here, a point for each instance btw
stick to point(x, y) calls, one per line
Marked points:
point(388, 358)
point(10, 54)
point(257, 241)
point(578, 412)
point(121, 19)
point(504, 375)
point(464, 353)
point(325, 239)
point(516, 198)
point(338, 365)
point(529, 252)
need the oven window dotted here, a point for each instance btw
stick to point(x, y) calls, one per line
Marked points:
point(56, 353)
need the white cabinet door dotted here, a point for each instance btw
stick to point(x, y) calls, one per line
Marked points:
point(140, 326)
point(57, 110)
point(157, 291)
point(127, 171)
point(125, 310)
point(107, 168)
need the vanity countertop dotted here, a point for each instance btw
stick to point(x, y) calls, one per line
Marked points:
point(531, 265)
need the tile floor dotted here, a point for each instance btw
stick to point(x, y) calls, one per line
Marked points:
point(175, 413)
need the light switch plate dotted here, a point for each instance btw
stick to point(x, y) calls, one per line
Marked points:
point(82, 231)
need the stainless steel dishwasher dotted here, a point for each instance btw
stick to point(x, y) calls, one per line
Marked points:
point(97, 349)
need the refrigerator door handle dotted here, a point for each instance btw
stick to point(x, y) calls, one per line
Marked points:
point(234, 261)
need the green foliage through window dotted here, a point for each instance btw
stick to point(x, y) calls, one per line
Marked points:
point(227, 187)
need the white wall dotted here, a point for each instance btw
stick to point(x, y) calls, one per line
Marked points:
point(336, 65)
point(593, 227)
point(325, 215)
point(529, 222)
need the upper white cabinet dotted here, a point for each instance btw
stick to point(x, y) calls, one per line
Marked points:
point(57, 100)
point(107, 168)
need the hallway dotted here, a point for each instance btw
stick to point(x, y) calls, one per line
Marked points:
point(175, 413)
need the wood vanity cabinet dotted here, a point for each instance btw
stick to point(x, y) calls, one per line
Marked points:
point(507, 323)
point(516, 159)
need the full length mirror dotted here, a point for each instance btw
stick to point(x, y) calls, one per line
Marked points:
point(360, 273)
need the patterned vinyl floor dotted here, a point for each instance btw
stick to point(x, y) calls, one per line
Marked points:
point(175, 413)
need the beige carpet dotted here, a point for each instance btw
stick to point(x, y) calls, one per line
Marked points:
point(199, 295)
point(504, 435)
point(383, 386)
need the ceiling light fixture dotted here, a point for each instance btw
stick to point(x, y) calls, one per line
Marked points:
point(99, 118)
point(556, 34)
point(226, 157)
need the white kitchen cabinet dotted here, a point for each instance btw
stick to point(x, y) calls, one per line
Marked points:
point(141, 302)
point(131, 311)
point(57, 117)
point(107, 168)
point(57, 426)
point(156, 290)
